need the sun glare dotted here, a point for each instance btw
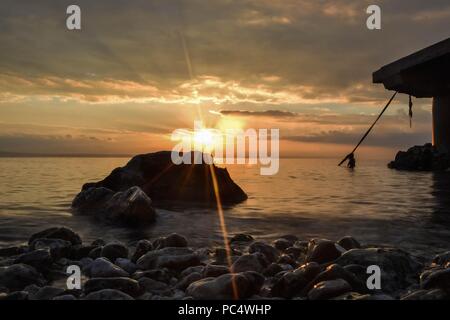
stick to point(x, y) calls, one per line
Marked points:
point(204, 138)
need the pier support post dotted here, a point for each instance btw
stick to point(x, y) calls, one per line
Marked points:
point(441, 123)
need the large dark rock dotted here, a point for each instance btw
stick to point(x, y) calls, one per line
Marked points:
point(128, 207)
point(165, 182)
point(421, 158)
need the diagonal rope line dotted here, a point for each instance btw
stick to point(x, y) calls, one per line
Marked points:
point(370, 129)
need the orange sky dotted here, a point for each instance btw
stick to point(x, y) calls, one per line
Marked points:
point(139, 70)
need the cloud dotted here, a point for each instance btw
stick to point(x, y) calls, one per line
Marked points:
point(312, 50)
point(266, 113)
point(145, 68)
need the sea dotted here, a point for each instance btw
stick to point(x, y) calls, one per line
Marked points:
point(309, 198)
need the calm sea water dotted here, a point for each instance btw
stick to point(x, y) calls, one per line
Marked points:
point(308, 198)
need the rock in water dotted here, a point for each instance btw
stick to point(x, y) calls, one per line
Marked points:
point(57, 233)
point(128, 207)
point(164, 182)
point(421, 158)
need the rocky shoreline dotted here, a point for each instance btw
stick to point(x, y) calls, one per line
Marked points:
point(167, 268)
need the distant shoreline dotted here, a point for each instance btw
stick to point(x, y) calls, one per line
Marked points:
point(4, 154)
point(31, 155)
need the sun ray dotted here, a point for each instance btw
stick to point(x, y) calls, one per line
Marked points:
point(223, 228)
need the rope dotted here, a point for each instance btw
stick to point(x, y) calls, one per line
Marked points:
point(370, 129)
point(410, 111)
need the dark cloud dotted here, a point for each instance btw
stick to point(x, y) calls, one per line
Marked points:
point(378, 139)
point(321, 45)
point(266, 113)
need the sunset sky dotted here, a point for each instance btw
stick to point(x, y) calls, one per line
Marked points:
point(140, 69)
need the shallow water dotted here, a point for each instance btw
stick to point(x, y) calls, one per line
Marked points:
point(308, 198)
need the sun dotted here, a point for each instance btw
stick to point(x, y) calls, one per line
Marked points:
point(205, 139)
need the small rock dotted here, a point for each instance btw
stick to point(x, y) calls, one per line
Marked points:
point(78, 251)
point(272, 270)
point(289, 237)
point(155, 274)
point(39, 259)
point(173, 240)
point(349, 243)
point(329, 289)
point(142, 247)
point(322, 251)
point(286, 259)
point(433, 294)
point(187, 271)
point(399, 269)
point(57, 233)
point(294, 252)
point(187, 280)
point(18, 276)
point(13, 296)
point(375, 297)
point(439, 278)
point(334, 272)
point(152, 286)
point(126, 265)
point(442, 259)
point(65, 297)
point(108, 294)
point(241, 237)
point(282, 244)
point(85, 264)
point(114, 250)
point(268, 251)
point(171, 258)
point(103, 268)
point(126, 285)
point(291, 284)
point(46, 293)
point(98, 243)
point(221, 288)
point(213, 270)
point(12, 251)
point(250, 262)
point(95, 253)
